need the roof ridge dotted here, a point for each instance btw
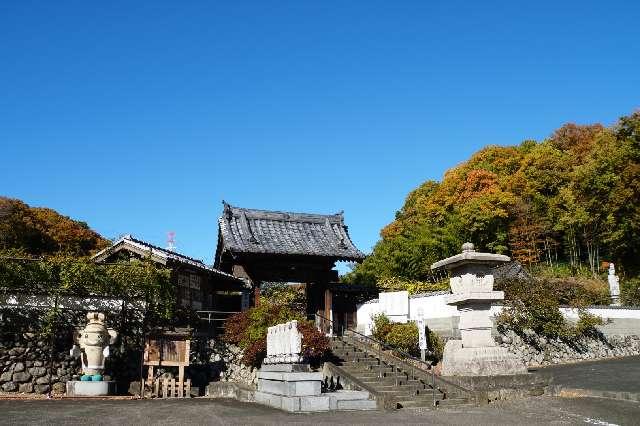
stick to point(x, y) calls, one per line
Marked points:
point(283, 215)
point(175, 253)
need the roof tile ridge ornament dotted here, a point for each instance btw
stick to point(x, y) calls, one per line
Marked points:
point(246, 227)
point(227, 210)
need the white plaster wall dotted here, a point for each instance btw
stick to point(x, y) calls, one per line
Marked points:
point(444, 318)
point(431, 307)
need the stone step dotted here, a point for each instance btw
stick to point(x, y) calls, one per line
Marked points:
point(391, 382)
point(416, 403)
point(361, 404)
point(451, 402)
point(344, 395)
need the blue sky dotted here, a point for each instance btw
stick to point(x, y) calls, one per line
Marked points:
point(140, 117)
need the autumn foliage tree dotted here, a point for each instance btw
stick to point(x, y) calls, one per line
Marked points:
point(571, 199)
point(42, 231)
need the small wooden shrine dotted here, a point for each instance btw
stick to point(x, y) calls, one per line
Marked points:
point(167, 349)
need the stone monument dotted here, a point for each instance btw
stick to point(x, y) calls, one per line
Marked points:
point(285, 380)
point(92, 347)
point(614, 285)
point(472, 286)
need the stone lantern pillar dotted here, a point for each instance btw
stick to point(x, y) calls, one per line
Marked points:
point(472, 287)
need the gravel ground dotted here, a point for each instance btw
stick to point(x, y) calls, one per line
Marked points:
point(207, 411)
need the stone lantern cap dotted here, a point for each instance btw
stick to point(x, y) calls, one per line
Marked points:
point(470, 256)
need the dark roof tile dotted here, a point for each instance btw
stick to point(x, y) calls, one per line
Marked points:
point(274, 232)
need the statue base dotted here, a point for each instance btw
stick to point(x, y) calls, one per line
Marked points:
point(482, 361)
point(82, 388)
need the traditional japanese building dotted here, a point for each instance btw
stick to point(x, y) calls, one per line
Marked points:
point(198, 286)
point(263, 246)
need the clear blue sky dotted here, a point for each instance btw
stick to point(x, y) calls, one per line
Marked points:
point(140, 117)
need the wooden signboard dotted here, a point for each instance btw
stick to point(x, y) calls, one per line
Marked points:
point(167, 351)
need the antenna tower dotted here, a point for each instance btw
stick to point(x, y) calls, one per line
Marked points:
point(171, 241)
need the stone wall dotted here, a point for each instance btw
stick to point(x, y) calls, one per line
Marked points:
point(215, 360)
point(538, 351)
point(25, 365)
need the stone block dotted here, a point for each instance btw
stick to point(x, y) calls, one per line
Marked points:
point(10, 387)
point(79, 388)
point(25, 388)
point(289, 377)
point(272, 400)
point(297, 388)
point(42, 380)
point(18, 367)
point(21, 377)
point(6, 376)
point(37, 371)
point(41, 388)
point(314, 403)
point(285, 368)
point(360, 404)
point(487, 361)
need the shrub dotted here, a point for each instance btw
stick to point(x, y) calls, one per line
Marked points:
point(435, 343)
point(630, 291)
point(381, 327)
point(532, 305)
point(248, 330)
point(587, 324)
point(403, 337)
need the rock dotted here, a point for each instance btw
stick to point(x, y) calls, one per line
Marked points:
point(18, 367)
point(6, 376)
point(59, 388)
point(41, 388)
point(10, 387)
point(38, 371)
point(21, 377)
point(43, 380)
point(38, 363)
point(16, 351)
point(25, 388)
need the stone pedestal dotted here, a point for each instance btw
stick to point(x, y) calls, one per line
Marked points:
point(294, 391)
point(79, 388)
point(472, 286)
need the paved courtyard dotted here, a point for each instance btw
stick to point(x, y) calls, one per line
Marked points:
point(207, 411)
point(617, 375)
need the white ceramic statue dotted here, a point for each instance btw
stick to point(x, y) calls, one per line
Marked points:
point(92, 346)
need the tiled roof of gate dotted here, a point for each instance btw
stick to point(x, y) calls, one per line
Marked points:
point(274, 232)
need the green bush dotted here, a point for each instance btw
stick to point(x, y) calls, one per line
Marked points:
point(435, 344)
point(630, 291)
point(403, 337)
point(533, 305)
point(587, 324)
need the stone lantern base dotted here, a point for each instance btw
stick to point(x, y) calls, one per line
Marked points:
point(482, 361)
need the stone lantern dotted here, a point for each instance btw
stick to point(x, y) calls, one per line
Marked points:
point(472, 286)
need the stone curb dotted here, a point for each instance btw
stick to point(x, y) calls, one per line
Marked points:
point(594, 393)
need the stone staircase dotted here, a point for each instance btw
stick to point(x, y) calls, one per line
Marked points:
point(394, 382)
